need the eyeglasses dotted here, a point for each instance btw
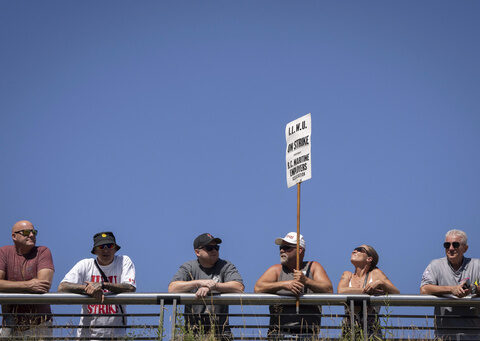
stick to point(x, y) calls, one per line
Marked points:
point(361, 249)
point(26, 233)
point(287, 248)
point(210, 247)
point(455, 245)
point(106, 246)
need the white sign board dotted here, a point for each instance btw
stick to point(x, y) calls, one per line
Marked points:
point(299, 162)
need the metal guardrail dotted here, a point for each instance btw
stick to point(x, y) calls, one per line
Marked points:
point(162, 300)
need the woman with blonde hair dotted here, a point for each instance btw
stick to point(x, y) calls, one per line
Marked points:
point(366, 278)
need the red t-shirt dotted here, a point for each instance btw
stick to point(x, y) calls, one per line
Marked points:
point(18, 267)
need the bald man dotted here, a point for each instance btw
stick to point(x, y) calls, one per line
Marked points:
point(25, 268)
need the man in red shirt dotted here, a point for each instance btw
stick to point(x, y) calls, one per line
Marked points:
point(25, 268)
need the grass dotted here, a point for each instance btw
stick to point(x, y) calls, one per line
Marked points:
point(256, 331)
point(184, 332)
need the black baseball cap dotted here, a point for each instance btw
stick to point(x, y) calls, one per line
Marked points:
point(205, 239)
point(103, 238)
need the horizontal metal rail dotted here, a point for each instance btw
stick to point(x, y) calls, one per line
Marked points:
point(156, 320)
point(238, 299)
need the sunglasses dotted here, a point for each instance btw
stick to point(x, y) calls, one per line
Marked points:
point(361, 250)
point(106, 246)
point(287, 248)
point(26, 233)
point(455, 245)
point(209, 248)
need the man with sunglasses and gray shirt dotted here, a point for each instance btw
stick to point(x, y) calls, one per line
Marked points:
point(25, 268)
point(206, 275)
point(457, 276)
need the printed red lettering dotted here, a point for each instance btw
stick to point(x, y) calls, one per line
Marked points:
point(95, 278)
point(101, 309)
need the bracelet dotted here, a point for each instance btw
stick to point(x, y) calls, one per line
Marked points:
point(474, 289)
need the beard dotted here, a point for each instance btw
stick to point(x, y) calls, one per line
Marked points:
point(283, 259)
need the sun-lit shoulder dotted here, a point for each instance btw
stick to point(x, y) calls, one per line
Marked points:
point(378, 273)
point(316, 264)
point(271, 274)
point(345, 276)
point(343, 282)
point(275, 268)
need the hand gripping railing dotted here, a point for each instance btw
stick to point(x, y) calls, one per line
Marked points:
point(174, 300)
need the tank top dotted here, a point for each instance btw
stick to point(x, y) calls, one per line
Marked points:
point(373, 324)
point(358, 307)
point(364, 283)
point(284, 317)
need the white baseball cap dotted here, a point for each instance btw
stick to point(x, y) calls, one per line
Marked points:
point(290, 238)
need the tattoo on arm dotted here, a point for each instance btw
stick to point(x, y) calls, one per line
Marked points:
point(72, 287)
point(118, 288)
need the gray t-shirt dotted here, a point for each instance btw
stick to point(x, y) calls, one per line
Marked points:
point(223, 271)
point(439, 272)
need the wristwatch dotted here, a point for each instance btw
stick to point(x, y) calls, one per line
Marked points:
point(474, 289)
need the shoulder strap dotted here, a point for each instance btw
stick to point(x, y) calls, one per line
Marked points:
point(105, 279)
point(350, 280)
point(307, 272)
point(366, 279)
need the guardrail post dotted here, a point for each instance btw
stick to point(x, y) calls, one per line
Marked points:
point(352, 319)
point(161, 329)
point(174, 317)
point(365, 318)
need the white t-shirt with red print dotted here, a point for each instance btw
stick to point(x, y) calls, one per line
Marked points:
point(121, 270)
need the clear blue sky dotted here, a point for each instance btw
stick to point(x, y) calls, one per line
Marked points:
point(163, 120)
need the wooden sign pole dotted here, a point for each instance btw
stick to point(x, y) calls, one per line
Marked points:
point(298, 136)
point(297, 303)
